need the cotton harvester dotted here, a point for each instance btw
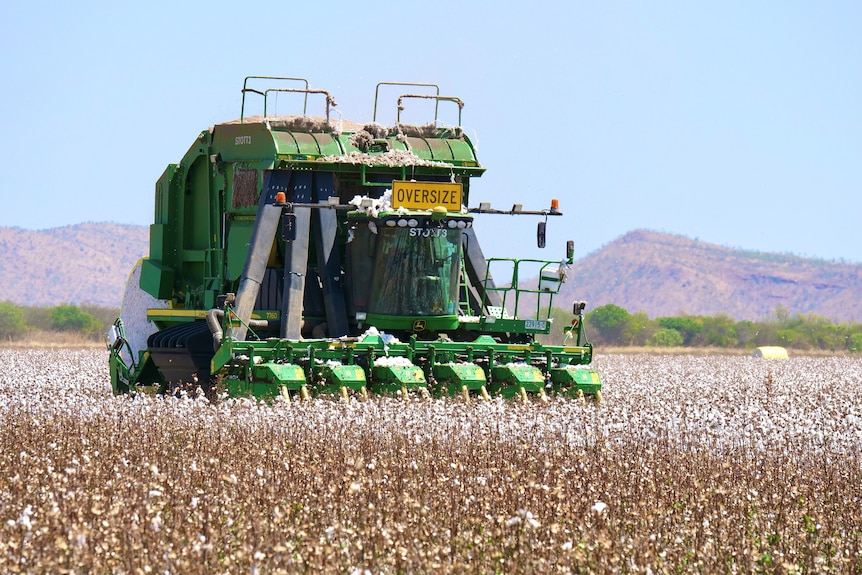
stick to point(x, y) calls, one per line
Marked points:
point(301, 256)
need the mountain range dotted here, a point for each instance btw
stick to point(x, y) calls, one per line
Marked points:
point(669, 275)
point(643, 271)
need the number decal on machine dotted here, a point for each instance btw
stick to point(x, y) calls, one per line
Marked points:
point(427, 233)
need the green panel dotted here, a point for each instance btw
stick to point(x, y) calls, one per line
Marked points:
point(460, 374)
point(238, 239)
point(396, 144)
point(573, 379)
point(158, 239)
point(389, 378)
point(251, 141)
point(419, 146)
point(197, 209)
point(339, 375)
point(157, 279)
point(259, 390)
point(520, 375)
point(435, 323)
point(306, 144)
point(328, 145)
point(462, 151)
point(289, 375)
point(286, 144)
point(163, 194)
point(440, 150)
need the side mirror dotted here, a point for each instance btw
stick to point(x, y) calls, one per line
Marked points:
point(540, 234)
point(570, 252)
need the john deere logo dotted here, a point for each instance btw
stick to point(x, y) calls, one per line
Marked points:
point(419, 325)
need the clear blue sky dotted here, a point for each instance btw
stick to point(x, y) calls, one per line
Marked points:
point(736, 123)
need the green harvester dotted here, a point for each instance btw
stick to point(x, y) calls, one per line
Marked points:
point(296, 256)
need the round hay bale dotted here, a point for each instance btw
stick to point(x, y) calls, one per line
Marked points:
point(771, 352)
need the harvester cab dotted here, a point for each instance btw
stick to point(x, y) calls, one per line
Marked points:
point(297, 256)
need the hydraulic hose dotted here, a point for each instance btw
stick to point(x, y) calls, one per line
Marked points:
point(214, 317)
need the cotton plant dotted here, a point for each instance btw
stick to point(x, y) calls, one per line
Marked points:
point(689, 463)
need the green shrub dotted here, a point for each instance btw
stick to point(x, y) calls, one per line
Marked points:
point(688, 327)
point(67, 317)
point(666, 337)
point(609, 320)
point(11, 320)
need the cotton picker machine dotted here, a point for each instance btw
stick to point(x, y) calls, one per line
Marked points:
point(300, 256)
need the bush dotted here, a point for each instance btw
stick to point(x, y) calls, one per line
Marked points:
point(667, 338)
point(67, 317)
point(609, 320)
point(688, 327)
point(11, 320)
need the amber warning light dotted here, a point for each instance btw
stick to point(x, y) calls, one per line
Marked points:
point(555, 205)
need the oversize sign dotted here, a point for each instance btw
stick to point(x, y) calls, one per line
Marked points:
point(426, 195)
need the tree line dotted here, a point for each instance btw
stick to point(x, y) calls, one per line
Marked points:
point(609, 325)
point(88, 322)
point(615, 326)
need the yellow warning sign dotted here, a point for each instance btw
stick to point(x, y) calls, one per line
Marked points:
point(426, 195)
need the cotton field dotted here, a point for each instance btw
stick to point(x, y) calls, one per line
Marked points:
point(690, 464)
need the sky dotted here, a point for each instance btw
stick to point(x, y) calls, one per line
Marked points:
point(736, 123)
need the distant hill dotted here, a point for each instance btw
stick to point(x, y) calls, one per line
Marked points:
point(666, 275)
point(80, 264)
point(659, 274)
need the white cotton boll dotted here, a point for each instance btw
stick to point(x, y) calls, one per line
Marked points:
point(514, 520)
point(392, 361)
point(24, 519)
